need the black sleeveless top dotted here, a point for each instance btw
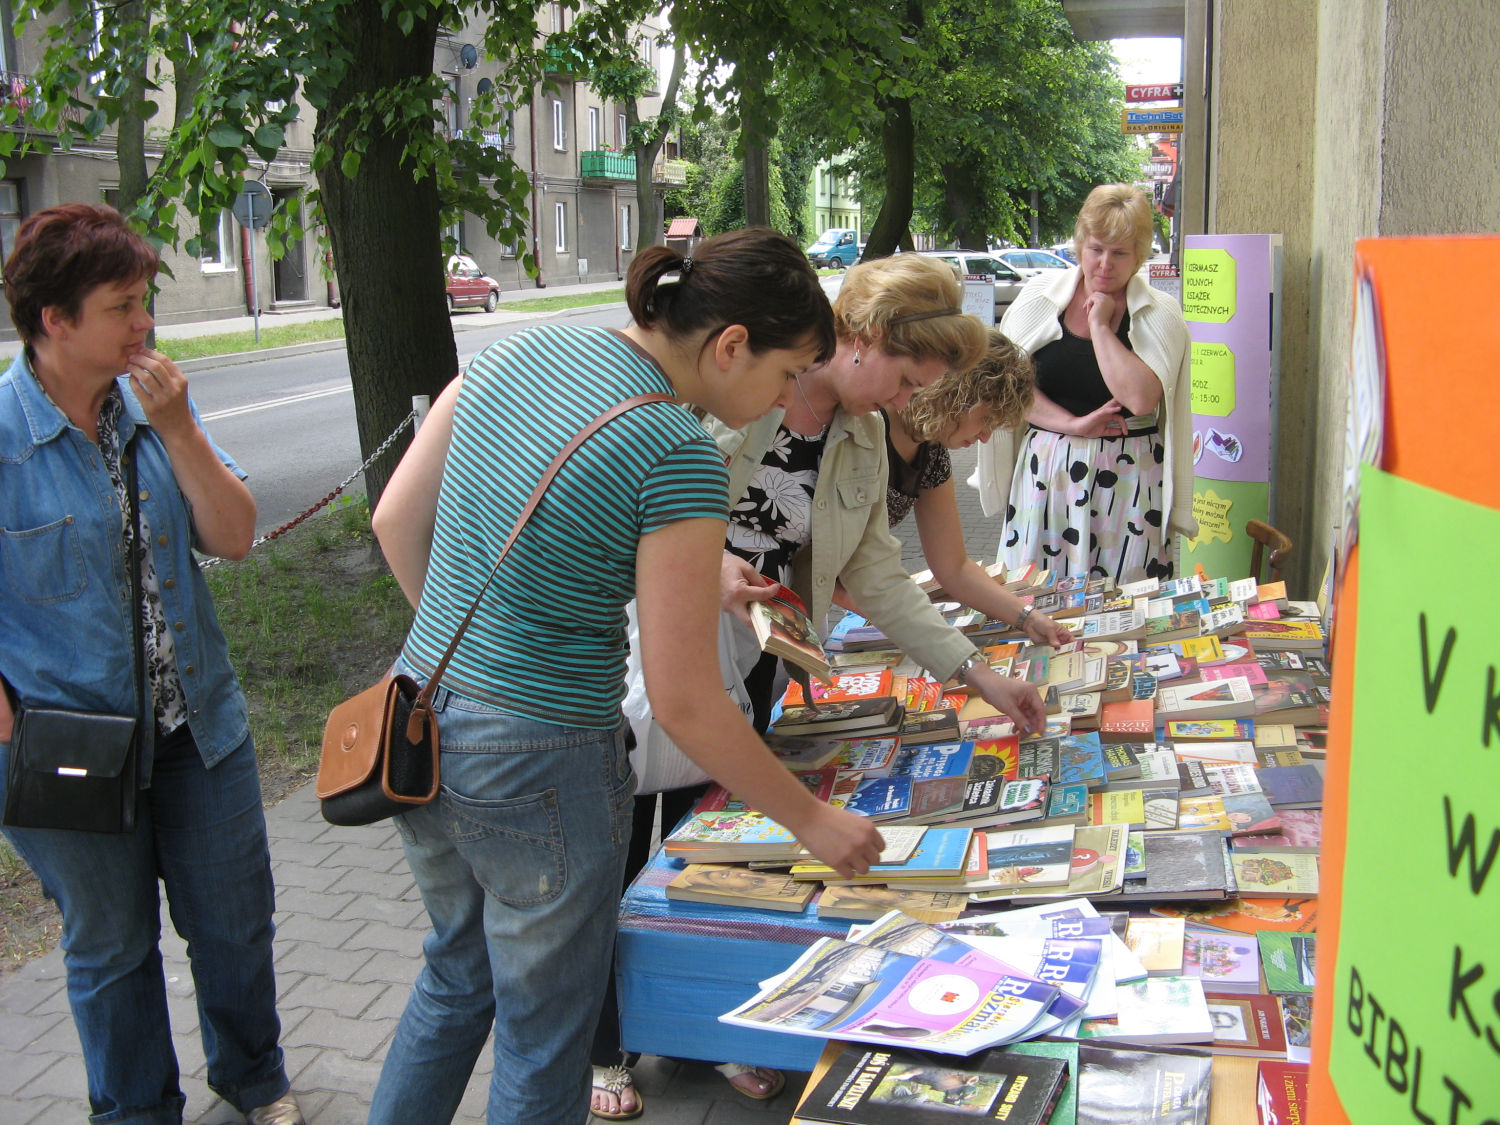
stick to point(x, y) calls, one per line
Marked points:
point(1067, 371)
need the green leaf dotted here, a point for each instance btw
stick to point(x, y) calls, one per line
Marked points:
point(94, 123)
point(350, 164)
point(268, 138)
point(227, 135)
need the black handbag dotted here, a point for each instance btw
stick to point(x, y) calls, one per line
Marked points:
point(380, 748)
point(80, 770)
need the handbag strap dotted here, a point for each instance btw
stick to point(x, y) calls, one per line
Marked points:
point(422, 706)
point(134, 558)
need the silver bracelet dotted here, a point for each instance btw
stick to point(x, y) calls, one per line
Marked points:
point(970, 662)
point(1026, 612)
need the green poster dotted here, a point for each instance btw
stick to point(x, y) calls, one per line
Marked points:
point(1221, 508)
point(1416, 1014)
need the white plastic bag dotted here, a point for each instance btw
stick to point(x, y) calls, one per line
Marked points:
point(659, 764)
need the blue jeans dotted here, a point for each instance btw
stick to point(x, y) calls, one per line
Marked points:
point(519, 862)
point(202, 832)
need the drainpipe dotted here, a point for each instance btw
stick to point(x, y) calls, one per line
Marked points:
point(536, 203)
point(247, 258)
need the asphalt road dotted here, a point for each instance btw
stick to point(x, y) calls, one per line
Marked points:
point(290, 422)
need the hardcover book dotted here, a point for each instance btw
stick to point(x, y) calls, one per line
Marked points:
point(782, 627)
point(1281, 1092)
point(1224, 961)
point(734, 885)
point(1121, 1087)
point(1289, 961)
point(868, 902)
point(868, 1086)
point(1192, 865)
point(1247, 1024)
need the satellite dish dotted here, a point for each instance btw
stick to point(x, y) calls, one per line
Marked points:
point(468, 56)
point(485, 86)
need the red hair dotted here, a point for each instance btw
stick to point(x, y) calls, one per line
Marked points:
point(63, 253)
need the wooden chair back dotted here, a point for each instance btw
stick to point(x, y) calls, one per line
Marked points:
point(1267, 539)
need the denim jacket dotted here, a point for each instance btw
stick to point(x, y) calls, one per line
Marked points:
point(851, 539)
point(64, 589)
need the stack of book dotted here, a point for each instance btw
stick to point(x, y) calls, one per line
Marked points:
point(1177, 787)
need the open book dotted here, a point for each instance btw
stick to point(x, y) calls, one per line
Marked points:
point(782, 627)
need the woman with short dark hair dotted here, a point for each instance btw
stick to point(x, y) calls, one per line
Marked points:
point(84, 396)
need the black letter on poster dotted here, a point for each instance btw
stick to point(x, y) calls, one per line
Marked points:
point(1432, 685)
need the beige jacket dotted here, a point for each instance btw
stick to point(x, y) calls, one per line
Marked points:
point(850, 540)
point(1158, 335)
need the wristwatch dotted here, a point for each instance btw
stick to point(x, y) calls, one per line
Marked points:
point(1022, 618)
point(969, 663)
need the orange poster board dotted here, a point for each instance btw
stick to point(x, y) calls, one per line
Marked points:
point(1441, 337)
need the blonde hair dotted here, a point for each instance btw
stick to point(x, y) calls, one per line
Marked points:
point(1116, 213)
point(884, 302)
point(1003, 383)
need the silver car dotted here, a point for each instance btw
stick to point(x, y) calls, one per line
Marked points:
point(980, 263)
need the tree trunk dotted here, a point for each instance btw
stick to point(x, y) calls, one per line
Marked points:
point(961, 207)
point(648, 230)
point(898, 143)
point(757, 164)
point(130, 129)
point(400, 341)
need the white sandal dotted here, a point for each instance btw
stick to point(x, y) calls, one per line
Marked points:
point(775, 1078)
point(616, 1080)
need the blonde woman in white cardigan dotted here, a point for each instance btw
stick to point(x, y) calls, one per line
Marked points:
point(1103, 475)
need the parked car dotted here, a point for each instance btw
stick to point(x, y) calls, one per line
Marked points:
point(1029, 263)
point(468, 285)
point(838, 247)
point(1064, 250)
point(980, 263)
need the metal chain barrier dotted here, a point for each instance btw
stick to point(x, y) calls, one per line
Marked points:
point(323, 503)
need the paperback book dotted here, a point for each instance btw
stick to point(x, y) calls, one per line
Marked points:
point(869, 902)
point(1289, 961)
point(1246, 1024)
point(734, 885)
point(1123, 1087)
point(782, 627)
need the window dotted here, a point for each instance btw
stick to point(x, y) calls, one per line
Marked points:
point(647, 50)
point(594, 128)
point(622, 133)
point(450, 106)
point(625, 241)
point(560, 221)
point(559, 127)
point(10, 215)
point(555, 15)
point(218, 246)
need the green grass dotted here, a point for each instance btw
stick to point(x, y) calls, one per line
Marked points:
point(311, 619)
point(227, 343)
point(565, 301)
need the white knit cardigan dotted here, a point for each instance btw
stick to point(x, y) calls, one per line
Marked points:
point(1158, 336)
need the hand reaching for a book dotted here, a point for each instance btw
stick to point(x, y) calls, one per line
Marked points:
point(845, 841)
point(1015, 698)
point(740, 584)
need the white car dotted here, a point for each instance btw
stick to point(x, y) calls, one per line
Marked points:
point(1029, 263)
point(981, 263)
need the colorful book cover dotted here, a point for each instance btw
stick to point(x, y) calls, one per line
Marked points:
point(995, 758)
point(1080, 760)
point(1266, 873)
point(1288, 961)
point(869, 684)
point(1249, 813)
point(1118, 806)
point(1281, 1092)
point(1022, 857)
point(1251, 916)
point(1129, 719)
point(1300, 828)
point(881, 798)
point(1251, 670)
point(1246, 1024)
point(1222, 960)
point(1068, 802)
point(1201, 730)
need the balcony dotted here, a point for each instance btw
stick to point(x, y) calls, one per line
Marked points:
point(565, 61)
point(604, 165)
point(666, 171)
point(16, 89)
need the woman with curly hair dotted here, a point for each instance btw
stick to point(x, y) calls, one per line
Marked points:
point(954, 413)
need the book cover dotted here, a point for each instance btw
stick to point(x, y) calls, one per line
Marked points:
point(1066, 1110)
point(1121, 760)
point(1128, 720)
point(1159, 943)
point(1118, 806)
point(782, 627)
point(881, 798)
point(1068, 803)
point(1281, 1092)
point(1293, 787)
point(734, 885)
point(940, 774)
point(995, 758)
point(1183, 864)
point(1296, 1020)
point(1288, 961)
point(1224, 961)
point(1250, 813)
point(1251, 670)
point(1300, 828)
point(1081, 707)
point(1248, 1024)
point(1251, 916)
point(1208, 730)
point(937, 725)
point(1027, 857)
point(1272, 873)
point(1096, 869)
point(1080, 760)
point(1204, 813)
point(1124, 1087)
point(940, 854)
point(1217, 699)
point(876, 715)
point(871, 683)
point(865, 903)
point(865, 1086)
point(1300, 634)
point(712, 837)
point(996, 800)
point(1155, 1010)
